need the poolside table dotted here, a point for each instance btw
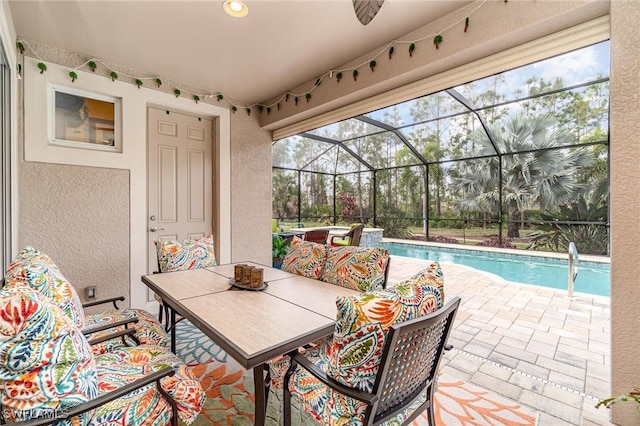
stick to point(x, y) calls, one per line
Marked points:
point(253, 327)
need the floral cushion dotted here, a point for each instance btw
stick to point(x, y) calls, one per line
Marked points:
point(29, 254)
point(305, 258)
point(46, 364)
point(357, 268)
point(330, 407)
point(148, 330)
point(48, 280)
point(187, 254)
point(125, 365)
point(363, 321)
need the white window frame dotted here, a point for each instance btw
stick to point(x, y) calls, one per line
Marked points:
point(52, 89)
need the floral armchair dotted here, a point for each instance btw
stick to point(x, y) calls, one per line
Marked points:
point(36, 269)
point(49, 373)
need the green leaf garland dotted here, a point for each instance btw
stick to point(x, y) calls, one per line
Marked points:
point(42, 67)
point(92, 65)
point(113, 75)
point(138, 82)
point(437, 40)
point(73, 76)
point(196, 98)
point(177, 92)
point(158, 82)
point(412, 47)
point(372, 65)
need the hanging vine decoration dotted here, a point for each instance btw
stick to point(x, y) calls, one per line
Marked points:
point(268, 110)
point(113, 75)
point(296, 100)
point(437, 40)
point(73, 76)
point(196, 98)
point(260, 108)
point(389, 49)
point(234, 109)
point(177, 92)
point(308, 96)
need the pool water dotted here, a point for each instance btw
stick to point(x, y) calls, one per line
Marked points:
point(593, 277)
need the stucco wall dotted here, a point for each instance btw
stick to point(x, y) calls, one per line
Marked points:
point(251, 189)
point(625, 206)
point(89, 241)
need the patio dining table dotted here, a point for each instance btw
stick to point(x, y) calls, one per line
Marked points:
point(253, 327)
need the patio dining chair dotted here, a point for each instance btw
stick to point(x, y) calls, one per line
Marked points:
point(317, 236)
point(332, 389)
point(180, 256)
point(351, 238)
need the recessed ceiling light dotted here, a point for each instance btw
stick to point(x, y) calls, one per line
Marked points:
point(235, 8)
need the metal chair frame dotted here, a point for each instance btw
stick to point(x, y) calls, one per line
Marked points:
point(408, 368)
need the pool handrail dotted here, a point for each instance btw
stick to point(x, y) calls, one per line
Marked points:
point(573, 268)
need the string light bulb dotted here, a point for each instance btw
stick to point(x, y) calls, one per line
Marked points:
point(235, 8)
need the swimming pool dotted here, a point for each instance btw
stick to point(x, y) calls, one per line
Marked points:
point(593, 277)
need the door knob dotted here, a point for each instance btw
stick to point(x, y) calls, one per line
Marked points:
point(155, 229)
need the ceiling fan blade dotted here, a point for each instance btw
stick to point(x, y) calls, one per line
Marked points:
point(366, 10)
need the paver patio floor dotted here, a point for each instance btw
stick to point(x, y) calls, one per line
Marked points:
point(530, 344)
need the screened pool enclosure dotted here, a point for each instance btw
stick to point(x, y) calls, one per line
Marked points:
point(517, 159)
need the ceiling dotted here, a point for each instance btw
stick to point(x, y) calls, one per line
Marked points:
point(277, 47)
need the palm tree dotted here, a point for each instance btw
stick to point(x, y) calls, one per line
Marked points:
point(536, 170)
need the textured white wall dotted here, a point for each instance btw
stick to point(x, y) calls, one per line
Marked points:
point(80, 216)
point(251, 189)
point(625, 206)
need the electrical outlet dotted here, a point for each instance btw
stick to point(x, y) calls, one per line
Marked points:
point(90, 292)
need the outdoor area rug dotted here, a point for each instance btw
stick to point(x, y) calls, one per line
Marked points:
point(230, 399)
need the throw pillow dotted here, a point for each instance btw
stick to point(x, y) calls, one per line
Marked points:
point(46, 365)
point(363, 321)
point(187, 254)
point(357, 268)
point(49, 281)
point(305, 258)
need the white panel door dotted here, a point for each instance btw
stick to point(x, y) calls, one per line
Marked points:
point(180, 178)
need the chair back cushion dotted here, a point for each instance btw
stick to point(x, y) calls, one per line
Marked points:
point(46, 364)
point(363, 321)
point(45, 277)
point(29, 253)
point(357, 268)
point(187, 254)
point(146, 405)
point(305, 258)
